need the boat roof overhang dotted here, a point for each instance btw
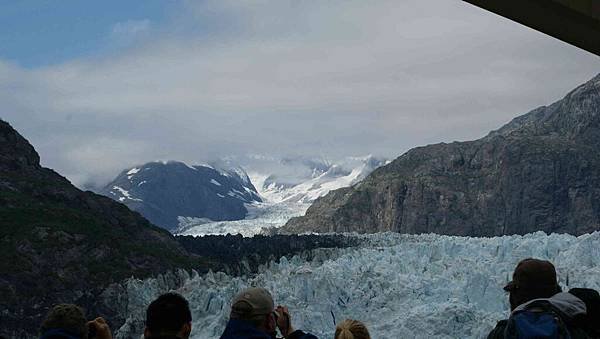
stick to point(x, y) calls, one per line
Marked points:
point(576, 22)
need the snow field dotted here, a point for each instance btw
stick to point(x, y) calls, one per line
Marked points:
point(401, 286)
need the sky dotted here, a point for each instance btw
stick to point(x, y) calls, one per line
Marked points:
point(98, 87)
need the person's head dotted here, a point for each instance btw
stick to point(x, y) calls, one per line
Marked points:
point(255, 305)
point(64, 321)
point(532, 279)
point(351, 329)
point(169, 315)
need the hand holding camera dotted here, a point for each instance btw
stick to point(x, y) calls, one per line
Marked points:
point(284, 322)
point(98, 329)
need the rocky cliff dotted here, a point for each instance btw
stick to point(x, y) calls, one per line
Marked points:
point(59, 244)
point(541, 171)
point(164, 191)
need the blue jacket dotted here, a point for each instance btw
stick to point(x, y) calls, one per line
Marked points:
point(239, 329)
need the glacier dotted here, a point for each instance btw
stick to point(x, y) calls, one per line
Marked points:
point(401, 286)
point(304, 189)
point(284, 195)
point(261, 217)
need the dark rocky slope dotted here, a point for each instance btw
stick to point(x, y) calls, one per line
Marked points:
point(164, 191)
point(59, 244)
point(541, 171)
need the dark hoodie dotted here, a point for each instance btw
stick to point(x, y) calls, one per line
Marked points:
point(239, 329)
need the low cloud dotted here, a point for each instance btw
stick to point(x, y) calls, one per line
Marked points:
point(286, 78)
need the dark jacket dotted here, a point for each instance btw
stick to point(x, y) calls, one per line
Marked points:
point(569, 305)
point(591, 321)
point(59, 333)
point(239, 329)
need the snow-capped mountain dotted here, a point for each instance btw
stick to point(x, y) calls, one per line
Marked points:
point(400, 286)
point(319, 177)
point(288, 186)
point(166, 192)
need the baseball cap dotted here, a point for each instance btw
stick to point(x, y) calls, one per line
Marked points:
point(533, 274)
point(252, 301)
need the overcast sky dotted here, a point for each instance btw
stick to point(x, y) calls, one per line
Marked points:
point(98, 89)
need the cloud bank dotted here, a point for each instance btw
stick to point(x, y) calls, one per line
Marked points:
point(287, 77)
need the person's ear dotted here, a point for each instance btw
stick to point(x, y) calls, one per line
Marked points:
point(147, 333)
point(186, 330)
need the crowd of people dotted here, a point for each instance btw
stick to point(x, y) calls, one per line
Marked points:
point(539, 309)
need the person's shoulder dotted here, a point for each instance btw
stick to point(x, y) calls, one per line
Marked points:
point(498, 331)
point(239, 329)
point(301, 335)
point(245, 335)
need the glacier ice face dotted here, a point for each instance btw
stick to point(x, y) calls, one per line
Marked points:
point(401, 286)
point(261, 216)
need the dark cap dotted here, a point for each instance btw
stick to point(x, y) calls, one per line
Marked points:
point(65, 319)
point(533, 274)
point(252, 302)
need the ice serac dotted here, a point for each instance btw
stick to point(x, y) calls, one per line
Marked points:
point(59, 244)
point(167, 192)
point(541, 171)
